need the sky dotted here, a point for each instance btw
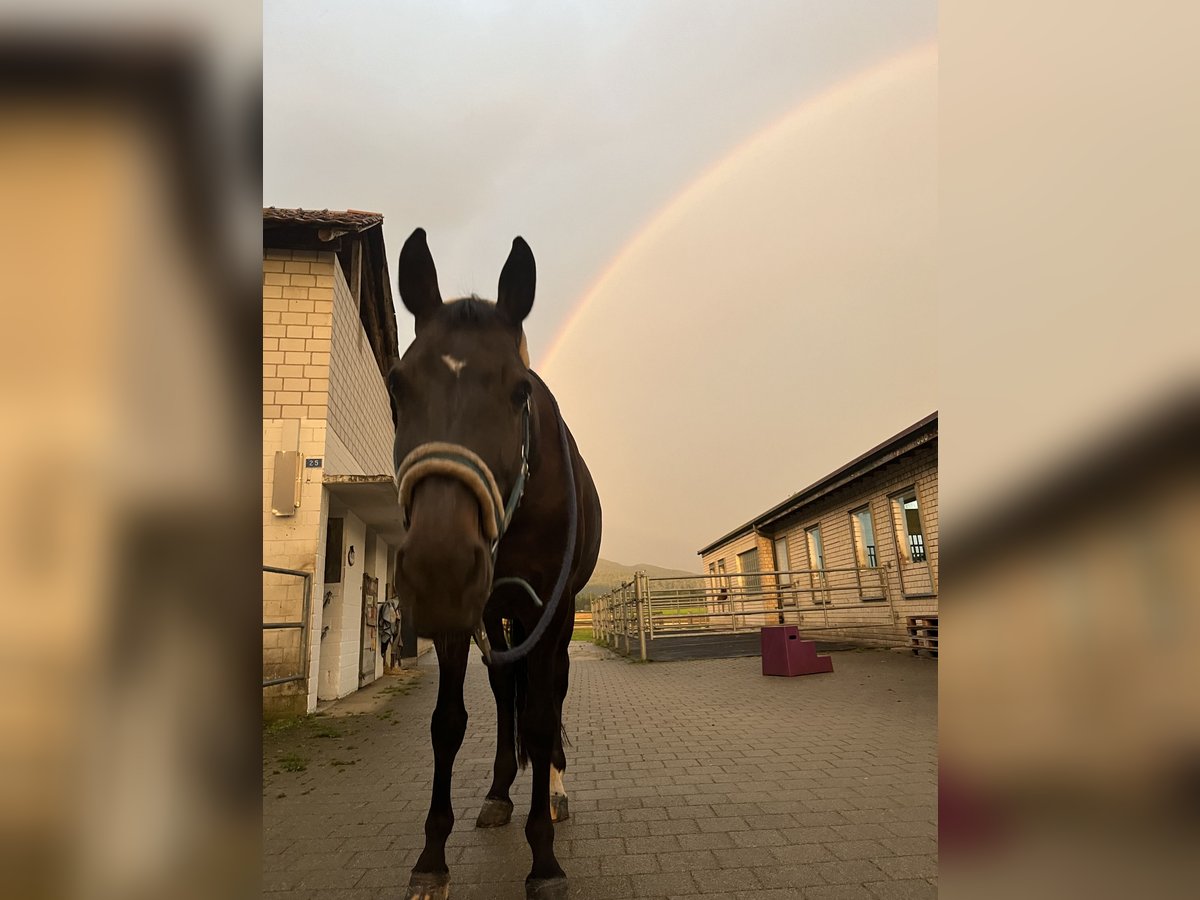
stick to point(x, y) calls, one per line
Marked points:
point(733, 207)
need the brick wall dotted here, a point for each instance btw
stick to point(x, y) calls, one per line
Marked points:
point(297, 330)
point(360, 413)
point(298, 290)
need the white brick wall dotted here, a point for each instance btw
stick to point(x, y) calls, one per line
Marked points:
point(360, 412)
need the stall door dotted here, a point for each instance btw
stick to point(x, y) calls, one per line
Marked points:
point(369, 643)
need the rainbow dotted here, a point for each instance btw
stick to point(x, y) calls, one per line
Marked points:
point(859, 84)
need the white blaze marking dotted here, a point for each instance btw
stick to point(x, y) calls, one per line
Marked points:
point(556, 785)
point(454, 365)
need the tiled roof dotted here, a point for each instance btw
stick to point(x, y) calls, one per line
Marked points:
point(356, 219)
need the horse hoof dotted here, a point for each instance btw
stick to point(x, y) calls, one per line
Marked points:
point(546, 888)
point(429, 886)
point(494, 813)
point(559, 810)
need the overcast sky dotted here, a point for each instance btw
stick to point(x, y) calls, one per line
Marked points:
point(745, 193)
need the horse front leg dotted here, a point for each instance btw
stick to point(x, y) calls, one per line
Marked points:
point(431, 876)
point(559, 808)
point(497, 805)
point(539, 725)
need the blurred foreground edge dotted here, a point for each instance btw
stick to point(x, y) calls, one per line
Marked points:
point(130, 168)
point(1070, 684)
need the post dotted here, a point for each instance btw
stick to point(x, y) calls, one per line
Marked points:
point(887, 592)
point(649, 606)
point(639, 594)
point(624, 617)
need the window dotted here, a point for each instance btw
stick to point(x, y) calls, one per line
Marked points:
point(781, 560)
point(748, 562)
point(816, 553)
point(864, 537)
point(907, 510)
point(816, 561)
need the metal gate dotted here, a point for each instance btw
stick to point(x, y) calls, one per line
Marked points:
point(369, 640)
point(285, 661)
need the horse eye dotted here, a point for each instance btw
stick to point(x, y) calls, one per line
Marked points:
point(521, 393)
point(395, 382)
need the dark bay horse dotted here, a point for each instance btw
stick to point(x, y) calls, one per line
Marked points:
point(503, 530)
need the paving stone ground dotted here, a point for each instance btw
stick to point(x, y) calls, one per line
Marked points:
point(686, 779)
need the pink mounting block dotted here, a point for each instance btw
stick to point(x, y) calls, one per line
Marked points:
point(783, 653)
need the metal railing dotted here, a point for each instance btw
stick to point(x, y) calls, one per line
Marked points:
point(852, 603)
point(283, 594)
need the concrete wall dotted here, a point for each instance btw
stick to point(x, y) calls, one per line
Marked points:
point(380, 571)
point(340, 644)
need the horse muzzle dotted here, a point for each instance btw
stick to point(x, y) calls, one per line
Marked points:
point(444, 563)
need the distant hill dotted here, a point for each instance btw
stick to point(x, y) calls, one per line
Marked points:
point(609, 575)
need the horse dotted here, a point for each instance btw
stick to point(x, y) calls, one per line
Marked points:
point(502, 531)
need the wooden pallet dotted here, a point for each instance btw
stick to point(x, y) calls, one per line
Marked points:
point(923, 635)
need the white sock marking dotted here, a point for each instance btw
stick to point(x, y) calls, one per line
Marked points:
point(556, 784)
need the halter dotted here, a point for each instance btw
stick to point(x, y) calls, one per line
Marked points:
point(457, 461)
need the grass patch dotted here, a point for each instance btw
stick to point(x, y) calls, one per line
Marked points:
point(682, 611)
point(581, 634)
point(322, 730)
point(341, 763)
point(278, 726)
point(292, 762)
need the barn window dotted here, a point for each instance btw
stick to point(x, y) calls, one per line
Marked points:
point(864, 537)
point(782, 564)
point(908, 512)
point(816, 552)
point(748, 562)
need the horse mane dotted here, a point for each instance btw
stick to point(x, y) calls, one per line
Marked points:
point(472, 310)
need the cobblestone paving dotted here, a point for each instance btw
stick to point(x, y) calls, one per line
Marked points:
point(686, 779)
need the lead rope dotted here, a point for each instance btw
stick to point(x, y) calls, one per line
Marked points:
point(505, 657)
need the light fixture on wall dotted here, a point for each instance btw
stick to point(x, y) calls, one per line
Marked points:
point(350, 556)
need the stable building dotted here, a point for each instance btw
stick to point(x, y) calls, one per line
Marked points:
point(331, 520)
point(853, 556)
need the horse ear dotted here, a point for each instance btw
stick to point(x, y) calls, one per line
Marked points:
point(517, 280)
point(417, 277)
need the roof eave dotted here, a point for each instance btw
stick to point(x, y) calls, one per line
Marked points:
point(905, 441)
